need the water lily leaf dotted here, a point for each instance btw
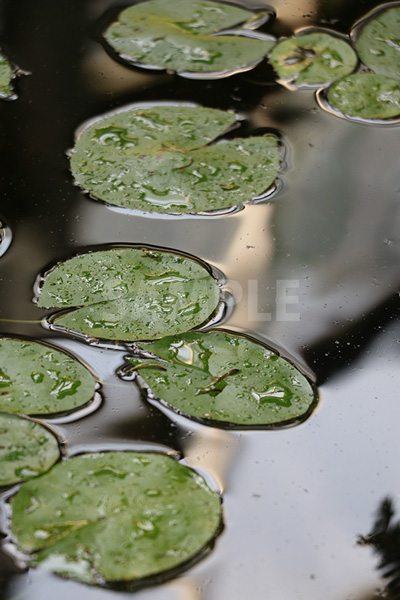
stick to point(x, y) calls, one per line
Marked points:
point(378, 42)
point(130, 293)
point(313, 59)
point(179, 36)
point(6, 75)
point(37, 379)
point(116, 516)
point(225, 378)
point(156, 159)
point(27, 449)
point(5, 238)
point(366, 96)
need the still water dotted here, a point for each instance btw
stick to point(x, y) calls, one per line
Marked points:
point(295, 499)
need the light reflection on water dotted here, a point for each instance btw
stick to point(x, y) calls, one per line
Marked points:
point(296, 499)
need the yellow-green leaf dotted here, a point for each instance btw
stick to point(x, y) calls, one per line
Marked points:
point(180, 36)
point(159, 159)
point(312, 59)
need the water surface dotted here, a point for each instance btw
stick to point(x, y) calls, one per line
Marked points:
point(294, 499)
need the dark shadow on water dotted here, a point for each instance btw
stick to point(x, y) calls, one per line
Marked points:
point(333, 354)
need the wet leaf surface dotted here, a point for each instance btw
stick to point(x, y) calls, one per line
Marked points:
point(378, 43)
point(6, 75)
point(178, 35)
point(27, 449)
point(117, 516)
point(312, 59)
point(366, 96)
point(130, 293)
point(224, 378)
point(36, 379)
point(156, 159)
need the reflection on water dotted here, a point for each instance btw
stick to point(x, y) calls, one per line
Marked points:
point(294, 500)
point(385, 540)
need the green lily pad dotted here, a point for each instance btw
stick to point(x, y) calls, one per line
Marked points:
point(156, 159)
point(116, 516)
point(378, 42)
point(6, 75)
point(224, 378)
point(39, 380)
point(27, 449)
point(179, 36)
point(313, 59)
point(366, 96)
point(130, 294)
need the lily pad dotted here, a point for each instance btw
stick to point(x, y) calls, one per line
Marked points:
point(366, 96)
point(378, 42)
point(27, 449)
point(5, 238)
point(117, 516)
point(130, 294)
point(313, 59)
point(6, 75)
point(224, 378)
point(39, 380)
point(156, 159)
point(180, 36)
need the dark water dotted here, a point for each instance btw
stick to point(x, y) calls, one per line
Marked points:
point(296, 499)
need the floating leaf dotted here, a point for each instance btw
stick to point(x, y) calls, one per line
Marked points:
point(131, 293)
point(6, 75)
point(5, 238)
point(312, 59)
point(178, 35)
point(366, 96)
point(155, 159)
point(224, 378)
point(36, 379)
point(27, 449)
point(378, 42)
point(117, 516)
